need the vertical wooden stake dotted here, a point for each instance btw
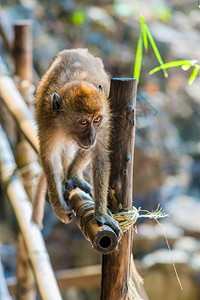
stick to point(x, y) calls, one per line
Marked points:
point(22, 53)
point(22, 50)
point(115, 266)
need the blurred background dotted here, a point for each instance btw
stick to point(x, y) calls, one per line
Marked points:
point(167, 151)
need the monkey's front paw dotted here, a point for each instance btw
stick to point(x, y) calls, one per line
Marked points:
point(64, 215)
point(104, 218)
point(75, 182)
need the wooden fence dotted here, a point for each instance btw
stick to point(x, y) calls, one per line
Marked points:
point(116, 265)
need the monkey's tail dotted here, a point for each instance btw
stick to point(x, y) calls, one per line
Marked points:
point(39, 200)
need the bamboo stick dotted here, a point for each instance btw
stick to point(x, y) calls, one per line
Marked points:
point(26, 288)
point(102, 238)
point(32, 236)
point(115, 266)
point(7, 43)
point(19, 110)
point(22, 53)
point(22, 50)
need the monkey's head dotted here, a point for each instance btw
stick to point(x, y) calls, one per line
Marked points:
point(83, 110)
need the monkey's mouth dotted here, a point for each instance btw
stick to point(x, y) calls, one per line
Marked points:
point(85, 147)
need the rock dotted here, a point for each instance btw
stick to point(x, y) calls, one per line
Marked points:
point(185, 211)
point(99, 17)
point(164, 33)
point(195, 262)
point(188, 244)
point(162, 282)
point(165, 256)
point(177, 185)
point(150, 237)
point(160, 278)
point(145, 239)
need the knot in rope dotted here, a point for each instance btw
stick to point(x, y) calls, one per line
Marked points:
point(127, 218)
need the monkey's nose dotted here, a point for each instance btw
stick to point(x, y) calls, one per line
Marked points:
point(91, 139)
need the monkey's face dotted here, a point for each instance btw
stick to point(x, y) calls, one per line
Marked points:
point(81, 110)
point(87, 129)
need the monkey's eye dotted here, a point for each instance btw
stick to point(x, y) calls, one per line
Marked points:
point(101, 88)
point(97, 119)
point(83, 122)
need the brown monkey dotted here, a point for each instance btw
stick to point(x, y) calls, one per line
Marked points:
point(73, 116)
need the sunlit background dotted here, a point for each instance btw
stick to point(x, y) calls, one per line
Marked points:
point(167, 151)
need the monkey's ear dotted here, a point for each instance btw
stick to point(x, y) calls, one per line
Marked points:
point(101, 88)
point(56, 103)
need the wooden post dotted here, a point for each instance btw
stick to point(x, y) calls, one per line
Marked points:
point(115, 266)
point(22, 53)
point(22, 50)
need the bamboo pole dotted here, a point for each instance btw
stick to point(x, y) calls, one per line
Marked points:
point(22, 50)
point(26, 289)
point(7, 43)
point(19, 110)
point(102, 238)
point(32, 236)
point(22, 53)
point(115, 266)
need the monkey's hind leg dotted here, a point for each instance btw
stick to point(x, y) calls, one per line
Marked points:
point(39, 200)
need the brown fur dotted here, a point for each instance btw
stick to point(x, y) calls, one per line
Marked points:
point(77, 77)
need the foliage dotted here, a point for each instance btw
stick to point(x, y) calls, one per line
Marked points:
point(78, 18)
point(143, 39)
point(185, 65)
point(145, 35)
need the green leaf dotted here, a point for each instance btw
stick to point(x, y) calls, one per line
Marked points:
point(144, 33)
point(138, 59)
point(171, 65)
point(193, 75)
point(155, 49)
point(78, 18)
point(186, 67)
